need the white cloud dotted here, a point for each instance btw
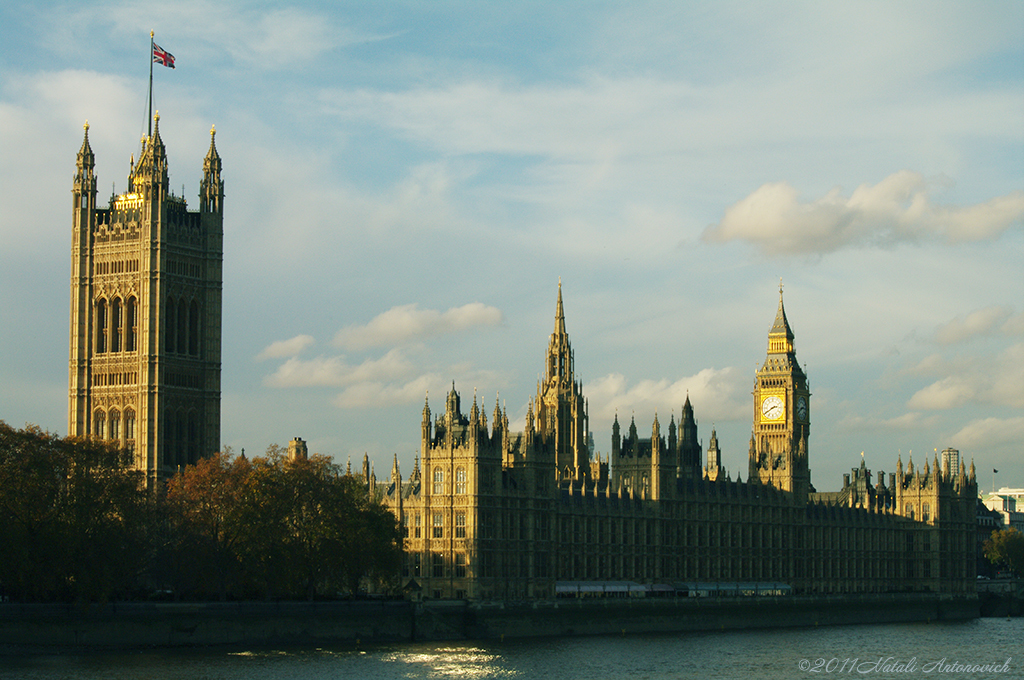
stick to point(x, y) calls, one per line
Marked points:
point(286, 348)
point(947, 393)
point(982, 322)
point(906, 422)
point(715, 393)
point(897, 209)
point(266, 38)
point(978, 435)
point(408, 322)
point(992, 380)
point(374, 394)
point(335, 371)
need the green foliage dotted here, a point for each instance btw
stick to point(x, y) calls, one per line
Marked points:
point(1006, 548)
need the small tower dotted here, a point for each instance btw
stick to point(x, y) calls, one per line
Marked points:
point(714, 469)
point(297, 450)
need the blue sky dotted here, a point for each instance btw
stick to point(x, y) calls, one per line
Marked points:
point(405, 185)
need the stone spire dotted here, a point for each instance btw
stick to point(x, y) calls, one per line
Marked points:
point(85, 179)
point(211, 189)
point(780, 337)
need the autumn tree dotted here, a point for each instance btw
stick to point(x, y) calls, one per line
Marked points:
point(1006, 548)
point(205, 528)
point(275, 527)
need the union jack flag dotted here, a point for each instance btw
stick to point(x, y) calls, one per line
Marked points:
point(162, 56)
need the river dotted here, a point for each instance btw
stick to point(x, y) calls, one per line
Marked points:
point(880, 651)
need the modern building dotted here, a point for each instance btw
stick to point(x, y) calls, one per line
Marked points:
point(145, 341)
point(495, 514)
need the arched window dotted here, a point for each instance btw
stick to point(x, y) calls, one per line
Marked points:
point(460, 480)
point(193, 329)
point(168, 436)
point(179, 439)
point(438, 480)
point(129, 425)
point(115, 325)
point(115, 425)
point(182, 327)
point(101, 326)
point(193, 437)
point(99, 420)
point(130, 324)
point(910, 510)
point(170, 325)
point(926, 511)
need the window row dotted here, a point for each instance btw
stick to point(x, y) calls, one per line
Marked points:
point(182, 327)
point(180, 438)
point(117, 325)
point(926, 513)
point(119, 267)
point(118, 378)
point(460, 480)
point(438, 525)
point(460, 565)
point(115, 425)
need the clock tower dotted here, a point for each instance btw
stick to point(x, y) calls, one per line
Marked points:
point(782, 402)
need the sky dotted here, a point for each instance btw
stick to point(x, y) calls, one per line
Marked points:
point(407, 182)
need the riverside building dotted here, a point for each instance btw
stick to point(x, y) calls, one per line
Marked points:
point(145, 336)
point(494, 514)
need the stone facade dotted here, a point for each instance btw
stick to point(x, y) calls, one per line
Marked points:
point(495, 514)
point(145, 336)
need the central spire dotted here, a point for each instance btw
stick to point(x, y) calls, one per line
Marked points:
point(559, 312)
point(559, 362)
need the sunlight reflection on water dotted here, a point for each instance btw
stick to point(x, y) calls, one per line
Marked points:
point(762, 654)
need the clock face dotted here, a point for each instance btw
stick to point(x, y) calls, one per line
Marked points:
point(772, 408)
point(801, 408)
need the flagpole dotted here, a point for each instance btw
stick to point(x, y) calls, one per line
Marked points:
point(149, 117)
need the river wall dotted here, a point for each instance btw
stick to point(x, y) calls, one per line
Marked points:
point(28, 629)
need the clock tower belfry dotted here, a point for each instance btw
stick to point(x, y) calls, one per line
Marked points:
point(782, 423)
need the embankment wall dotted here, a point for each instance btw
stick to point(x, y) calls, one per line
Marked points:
point(45, 628)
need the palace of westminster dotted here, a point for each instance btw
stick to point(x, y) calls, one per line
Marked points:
point(489, 513)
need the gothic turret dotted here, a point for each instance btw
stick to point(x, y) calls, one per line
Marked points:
point(211, 190)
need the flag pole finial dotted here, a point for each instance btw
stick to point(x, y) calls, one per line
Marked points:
point(151, 33)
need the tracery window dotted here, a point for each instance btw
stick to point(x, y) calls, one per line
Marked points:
point(193, 438)
point(438, 525)
point(460, 565)
point(129, 424)
point(115, 325)
point(99, 421)
point(460, 525)
point(115, 425)
point(101, 326)
point(131, 322)
point(182, 327)
point(438, 480)
point(460, 480)
point(193, 329)
point(170, 323)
